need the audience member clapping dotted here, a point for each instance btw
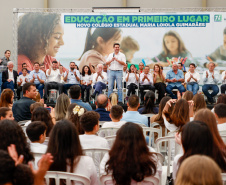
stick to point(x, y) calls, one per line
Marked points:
point(67, 153)
point(61, 107)
point(73, 114)
point(130, 160)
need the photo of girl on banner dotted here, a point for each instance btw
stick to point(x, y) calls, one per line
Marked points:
point(98, 45)
point(40, 35)
point(173, 48)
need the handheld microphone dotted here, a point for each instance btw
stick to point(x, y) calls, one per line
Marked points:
point(113, 54)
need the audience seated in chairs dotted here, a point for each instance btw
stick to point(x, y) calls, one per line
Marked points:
point(132, 114)
point(196, 138)
point(199, 169)
point(61, 106)
point(6, 113)
point(101, 105)
point(21, 108)
point(6, 99)
point(75, 94)
point(9, 77)
point(74, 114)
point(67, 153)
point(130, 146)
point(90, 124)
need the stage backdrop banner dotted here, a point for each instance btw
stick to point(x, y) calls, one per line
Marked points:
point(88, 38)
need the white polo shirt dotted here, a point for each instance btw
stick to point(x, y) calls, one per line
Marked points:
point(54, 76)
point(195, 75)
point(114, 65)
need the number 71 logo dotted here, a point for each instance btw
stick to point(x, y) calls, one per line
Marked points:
point(217, 18)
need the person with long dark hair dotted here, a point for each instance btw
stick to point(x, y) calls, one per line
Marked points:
point(6, 99)
point(86, 82)
point(42, 114)
point(197, 138)
point(149, 104)
point(12, 133)
point(130, 160)
point(65, 147)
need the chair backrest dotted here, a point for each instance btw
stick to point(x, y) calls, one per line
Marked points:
point(68, 177)
point(22, 123)
point(37, 157)
point(110, 131)
point(97, 155)
point(170, 141)
point(105, 178)
point(111, 140)
point(222, 132)
point(149, 132)
point(224, 138)
point(101, 123)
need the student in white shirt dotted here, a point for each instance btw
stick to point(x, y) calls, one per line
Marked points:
point(90, 124)
point(99, 80)
point(86, 82)
point(210, 79)
point(130, 160)
point(146, 82)
point(132, 80)
point(115, 115)
point(53, 78)
point(64, 145)
point(220, 114)
point(192, 79)
point(21, 80)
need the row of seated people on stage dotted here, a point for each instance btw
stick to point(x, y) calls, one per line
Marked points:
point(76, 130)
point(56, 78)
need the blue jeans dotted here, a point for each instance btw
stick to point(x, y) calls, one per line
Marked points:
point(67, 86)
point(193, 87)
point(207, 87)
point(8, 85)
point(115, 75)
point(99, 86)
point(169, 89)
point(40, 88)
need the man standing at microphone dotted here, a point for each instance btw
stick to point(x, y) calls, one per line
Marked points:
point(116, 61)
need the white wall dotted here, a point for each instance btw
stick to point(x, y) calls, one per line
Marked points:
point(6, 10)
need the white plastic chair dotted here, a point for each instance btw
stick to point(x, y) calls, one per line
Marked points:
point(110, 131)
point(223, 175)
point(148, 115)
point(97, 155)
point(105, 178)
point(222, 132)
point(111, 140)
point(149, 132)
point(170, 140)
point(68, 177)
point(21, 123)
point(37, 157)
point(224, 138)
point(101, 123)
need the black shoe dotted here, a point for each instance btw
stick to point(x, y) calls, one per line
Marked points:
point(93, 96)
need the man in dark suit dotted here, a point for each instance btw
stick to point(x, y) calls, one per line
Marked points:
point(9, 77)
point(101, 104)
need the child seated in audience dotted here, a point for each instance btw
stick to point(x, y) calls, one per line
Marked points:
point(36, 132)
point(90, 124)
point(115, 115)
point(6, 113)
